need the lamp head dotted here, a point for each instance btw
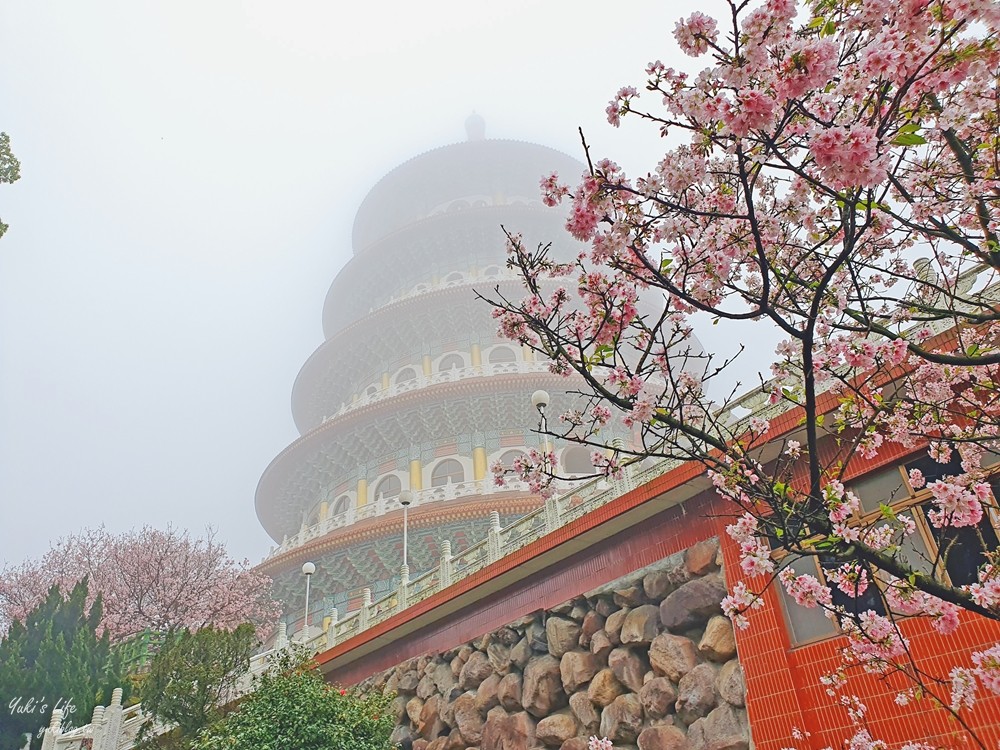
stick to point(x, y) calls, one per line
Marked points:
point(539, 400)
point(308, 568)
point(405, 498)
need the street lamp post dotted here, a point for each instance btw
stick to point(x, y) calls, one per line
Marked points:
point(308, 569)
point(405, 498)
point(540, 400)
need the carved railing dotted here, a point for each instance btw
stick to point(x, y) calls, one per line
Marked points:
point(383, 505)
point(445, 376)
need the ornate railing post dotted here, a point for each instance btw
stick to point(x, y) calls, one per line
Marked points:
point(551, 514)
point(331, 631)
point(365, 612)
point(113, 720)
point(445, 565)
point(281, 641)
point(54, 730)
point(404, 588)
point(97, 728)
point(493, 538)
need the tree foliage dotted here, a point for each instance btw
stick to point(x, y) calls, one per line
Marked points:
point(834, 177)
point(55, 659)
point(292, 707)
point(193, 677)
point(160, 580)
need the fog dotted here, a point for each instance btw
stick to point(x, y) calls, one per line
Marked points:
point(190, 171)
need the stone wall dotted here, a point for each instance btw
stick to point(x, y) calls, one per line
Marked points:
point(648, 661)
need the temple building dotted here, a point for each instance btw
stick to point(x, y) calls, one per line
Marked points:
point(413, 393)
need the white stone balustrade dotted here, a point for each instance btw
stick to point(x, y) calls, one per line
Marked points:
point(383, 505)
point(445, 376)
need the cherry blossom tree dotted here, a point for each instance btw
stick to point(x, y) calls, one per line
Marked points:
point(833, 175)
point(10, 168)
point(150, 578)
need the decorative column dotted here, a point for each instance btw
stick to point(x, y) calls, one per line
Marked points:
point(385, 380)
point(427, 366)
point(362, 492)
point(479, 467)
point(477, 356)
point(324, 510)
point(281, 641)
point(416, 475)
point(527, 353)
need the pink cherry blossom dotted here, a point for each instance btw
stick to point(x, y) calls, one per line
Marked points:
point(696, 33)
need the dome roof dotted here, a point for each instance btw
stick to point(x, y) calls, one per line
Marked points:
point(491, 171)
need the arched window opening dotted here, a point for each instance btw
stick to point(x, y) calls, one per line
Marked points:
point(491, 272)
point(508, 457)
point(447, 472)
point(389, 487)
point(502, 354)
point(454, 276)
point(371, 390)
point(451, 362)
point(406, 375)
point(576, 460)
point(340, 505)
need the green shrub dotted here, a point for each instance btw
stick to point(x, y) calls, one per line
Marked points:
point(292, 708)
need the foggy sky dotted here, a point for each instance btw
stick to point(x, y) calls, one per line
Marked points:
point(190, 172)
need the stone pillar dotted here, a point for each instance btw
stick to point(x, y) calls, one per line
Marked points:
point(427, 366)
point(479, 467)
point(362, 492)
point(281, 640)
point(493, 538)
point(416, 475)
point(385, 380)
point(444, 573)
point(54, 730)
point(324, 510)
point(527, 353)
point(477, 356)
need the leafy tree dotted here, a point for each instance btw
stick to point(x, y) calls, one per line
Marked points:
point(10, 168)
point(193, 677)
point(292, 707)
point(155, 579)
point(55, 659)
point(832, 181)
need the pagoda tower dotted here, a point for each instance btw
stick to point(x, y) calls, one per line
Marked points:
point(413, 389)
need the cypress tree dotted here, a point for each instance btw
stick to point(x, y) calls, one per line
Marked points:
point(54, 659)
